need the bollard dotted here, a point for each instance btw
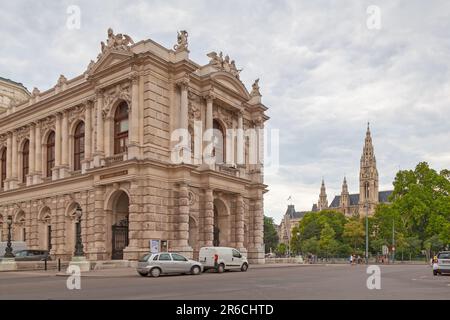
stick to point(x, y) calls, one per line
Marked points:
point(59, 264)
point(45, 264)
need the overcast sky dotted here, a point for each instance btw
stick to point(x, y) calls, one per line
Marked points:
point(324, 73)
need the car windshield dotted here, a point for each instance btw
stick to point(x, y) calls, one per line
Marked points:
point(145, 258)
point(444, 255)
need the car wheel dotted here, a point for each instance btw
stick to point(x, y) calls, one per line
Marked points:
point(244, 267)
point(143, 274)
point(195, 270)
point(221, 268)
point(155, 273)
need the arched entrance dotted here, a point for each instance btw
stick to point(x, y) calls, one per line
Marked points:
point(118, 220)
point(221, 224)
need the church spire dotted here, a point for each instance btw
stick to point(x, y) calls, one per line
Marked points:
point(368, 177)
point(323, 202)
point(345, 186)
point(345, 198)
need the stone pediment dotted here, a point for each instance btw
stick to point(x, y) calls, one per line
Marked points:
point(107, 60)
point(230, 82)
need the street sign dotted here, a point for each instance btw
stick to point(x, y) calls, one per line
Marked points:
point(385, 249)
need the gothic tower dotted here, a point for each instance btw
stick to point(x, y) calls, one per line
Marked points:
point(345, 198)
point(323, 202)
point(368, 178)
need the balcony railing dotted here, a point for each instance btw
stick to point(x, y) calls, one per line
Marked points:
point(116, 158)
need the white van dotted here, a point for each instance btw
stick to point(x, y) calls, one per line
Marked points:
point(222, 258)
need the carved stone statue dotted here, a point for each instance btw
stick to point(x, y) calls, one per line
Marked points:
point(218, 62)
point(118, 41)
point(182, 41)
point(255, 89)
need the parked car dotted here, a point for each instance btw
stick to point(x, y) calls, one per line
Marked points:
point(31, 255)
point(15, 245)
point(443, 263)
point(222, 259)
point(155, 264)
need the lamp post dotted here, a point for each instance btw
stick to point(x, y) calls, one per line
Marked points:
point(79, 244)
point(8, 250)
point(367, 232)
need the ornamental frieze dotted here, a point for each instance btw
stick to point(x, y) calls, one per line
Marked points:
point(23, 133)
point(76, 113)
point(120, 92)
point(47, 124)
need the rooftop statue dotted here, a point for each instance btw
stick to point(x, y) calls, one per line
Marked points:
point(182, 41)
point(118, 41)
point(218, 62)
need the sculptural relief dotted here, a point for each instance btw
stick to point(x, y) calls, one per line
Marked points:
point(118, 41)
point(182, 41)
point(218, 62)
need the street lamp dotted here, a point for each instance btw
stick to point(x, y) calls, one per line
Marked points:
point(8, 249)
point(79, 244)
point(367, 232)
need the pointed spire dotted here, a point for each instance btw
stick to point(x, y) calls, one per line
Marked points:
point(344, 186)
point(323, 201)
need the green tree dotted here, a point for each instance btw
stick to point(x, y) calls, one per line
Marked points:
point(270, 235)
point(281, 249)
point(354, 232)
point(295, 240)
point(327, 243)
point(311, 246)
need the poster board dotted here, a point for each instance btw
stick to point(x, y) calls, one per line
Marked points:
point(154, 246)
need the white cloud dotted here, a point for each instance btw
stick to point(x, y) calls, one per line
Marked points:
point(323, 73)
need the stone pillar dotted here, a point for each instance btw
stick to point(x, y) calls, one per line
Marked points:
point(256, 247)
point(182, 221)
point(55, 170)
point(99, 251)
point(133, 145)
point(99, 148)
point(14, 163)
point(240, 140)
point(64, 168)
point(184, 118)
point(38, 156)
point(8, 161)
point(87, 137)
point(32, 154)
point(208, 127)
point(208, 221)
point(58, 234)
point(135, 218)
point(239, 236)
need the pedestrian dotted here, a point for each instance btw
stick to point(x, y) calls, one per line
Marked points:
point(351, 259)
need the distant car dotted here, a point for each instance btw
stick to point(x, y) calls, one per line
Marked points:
point(31, 255)
point(15, 245)
point(155, 264)
point(222, 258)
point(443, 263)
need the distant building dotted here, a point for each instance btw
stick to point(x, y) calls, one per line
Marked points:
point(11, 94)
point(354, 204)
point(290, 219)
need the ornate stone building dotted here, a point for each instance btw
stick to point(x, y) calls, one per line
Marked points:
point(104, 141)
point(355, 204)
point(290, 219)
point(11, 94)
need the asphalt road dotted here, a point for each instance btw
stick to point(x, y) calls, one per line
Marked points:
point(272, 283)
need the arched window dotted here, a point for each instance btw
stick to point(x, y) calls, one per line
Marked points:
point(219, 142)
point(121, 128)
point(366, 187)
point(78, 146)
point(25, 160)
point(3, 167)
point(50, 153)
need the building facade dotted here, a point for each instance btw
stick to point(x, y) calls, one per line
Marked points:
point(11, 94)
point(290, 220)
point(110, 142)
point(368, 197)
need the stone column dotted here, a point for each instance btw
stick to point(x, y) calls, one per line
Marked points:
point(208, 222)
point(14, 163)
point(64, 169)
point(32, 154)
point(99, 251)
point(99, 148)
point(38, 156)
point(182, 221)
point(208, 127)
point(134, 249)
point(256, 247)
point(240, 140)
point(133, 145)
point(87, 137)
point(239, 236)
point(184, 117)
point(8, 161)
point(55, 170)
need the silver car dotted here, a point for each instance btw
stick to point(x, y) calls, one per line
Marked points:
point(443, 263)
point(155, 264)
